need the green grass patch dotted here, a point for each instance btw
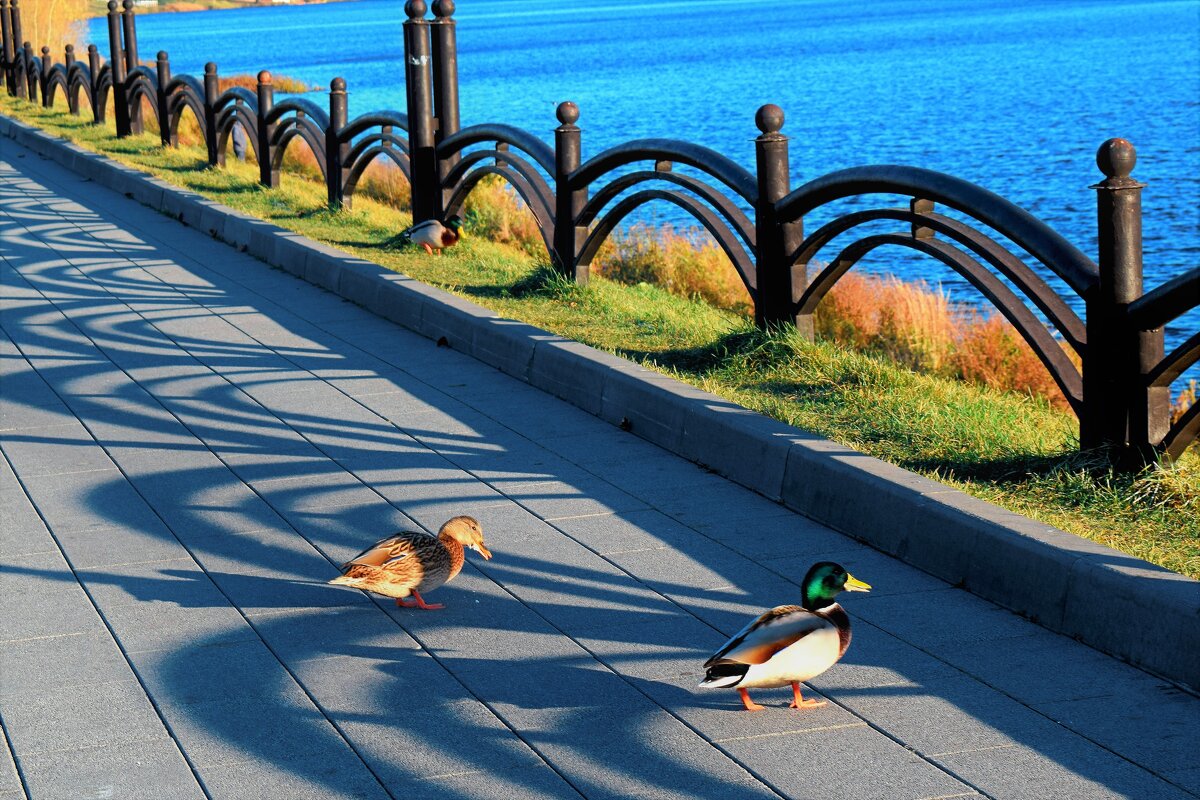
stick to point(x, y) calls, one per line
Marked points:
point(1016, 451)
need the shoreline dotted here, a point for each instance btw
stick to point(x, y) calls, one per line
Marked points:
point(191, 6)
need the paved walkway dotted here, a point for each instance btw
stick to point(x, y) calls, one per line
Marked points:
point(191, 441)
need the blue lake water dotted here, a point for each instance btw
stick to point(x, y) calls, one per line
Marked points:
point(1013, 95)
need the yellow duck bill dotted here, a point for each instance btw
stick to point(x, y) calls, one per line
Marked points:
point(853, 584)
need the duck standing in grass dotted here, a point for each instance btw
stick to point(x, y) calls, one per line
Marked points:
point(788, 644)
point(434, 235)
point(411, 562)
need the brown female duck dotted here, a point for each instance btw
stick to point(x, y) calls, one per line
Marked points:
point(411, 562)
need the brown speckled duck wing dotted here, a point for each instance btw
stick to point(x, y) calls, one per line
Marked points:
point(392, 567)
point(437, 563)
point(767, 635)
point(389, 549)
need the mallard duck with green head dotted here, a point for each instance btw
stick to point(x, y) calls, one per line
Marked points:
point(433, 235)
point(788, 644)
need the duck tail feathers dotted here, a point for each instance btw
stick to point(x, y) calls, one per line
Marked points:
point(724, 676)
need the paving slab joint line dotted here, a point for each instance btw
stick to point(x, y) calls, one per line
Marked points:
point(1114, 602)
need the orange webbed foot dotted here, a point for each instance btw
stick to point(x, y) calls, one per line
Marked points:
point(419, 603)
point(799, 701)
point(428, 249)
point(748, 703)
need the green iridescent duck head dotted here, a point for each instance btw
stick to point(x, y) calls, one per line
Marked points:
point(825, 581)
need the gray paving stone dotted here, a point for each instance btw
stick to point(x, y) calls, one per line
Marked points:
point(432, 496)
point(359, 383)
point(149, 542)
point(553, 500)
point(879, 769)
point(1186, 779)
point(56, 450)
point(876, 660)
point(42, 341)
point(537, 783)
point(48, 663)
point(942, 620)
point(1156, 725)
point(22, 415)
point(718, 503)
point(21, 381)
point(788, 536)
point(282, 728)
point(268, 593)
point(333, 777)
point(655, 650)
point(86, 381)
point(275, 552)
point(204, 673)
point(529, 646)
point(368, 681)
point(449, 738)
point(615, 754)
point(331, 486)
point(41, 597)
point(576, 590)
point(195, 500)
point(21, 529)
point(539, 417)
point(145, 770)
point(98, 499)
point(178, 582)
point(87, 715)
point(627, 531)
point(1068, 769)
point(702, 567)
point(575, 684)
point(268, 464)
point(10, 781)
point(132, 422)
point(952, 715)
point(164, 627)
point(1047, 667)
point(354, 630)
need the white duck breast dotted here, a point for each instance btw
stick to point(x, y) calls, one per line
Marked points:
point(786, 644)
point(806, 658)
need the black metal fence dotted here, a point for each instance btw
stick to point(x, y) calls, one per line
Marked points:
point(1121, 395)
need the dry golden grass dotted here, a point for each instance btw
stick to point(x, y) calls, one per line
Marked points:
point(990, 352)
point(383, 181)
point(688, 263)
point(282, 83)
point(53, 23)
point(919, 327)
point(1187, 398)
point(909, 322)
point(494, 211)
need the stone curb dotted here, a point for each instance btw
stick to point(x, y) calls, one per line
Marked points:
point(1119, 604)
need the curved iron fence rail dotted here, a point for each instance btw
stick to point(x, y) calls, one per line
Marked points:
point(973, 254)
point(1121, 393)
point(356, 149)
